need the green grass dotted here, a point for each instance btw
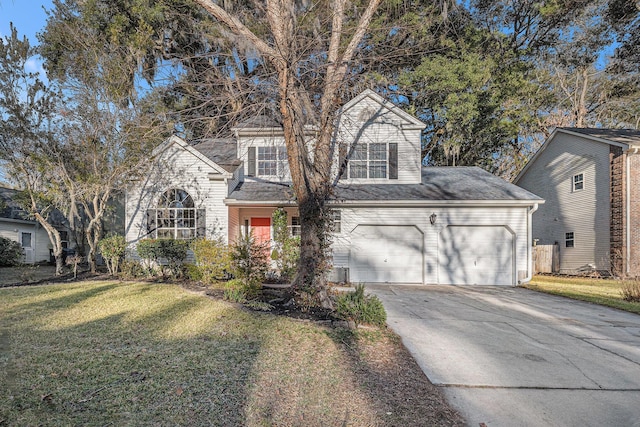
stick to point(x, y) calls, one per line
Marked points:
point(599, 291)
point(112, 353)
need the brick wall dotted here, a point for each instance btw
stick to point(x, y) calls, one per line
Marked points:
point(634, 217)
point(617, 217)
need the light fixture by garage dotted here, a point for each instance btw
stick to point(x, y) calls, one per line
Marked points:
point(433, 217)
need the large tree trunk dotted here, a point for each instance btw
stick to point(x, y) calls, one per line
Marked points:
point(56, 242)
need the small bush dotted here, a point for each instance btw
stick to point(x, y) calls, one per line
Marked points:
point(10, 252)
point(213, 260)
point(171, 251)
point(113, 248)
point(360, 308)
point(241, 290)
point(249, 259)
point(193, 272)
point(630, 290)
point(130, 269)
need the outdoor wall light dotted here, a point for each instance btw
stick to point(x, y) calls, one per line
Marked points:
point(433, 217)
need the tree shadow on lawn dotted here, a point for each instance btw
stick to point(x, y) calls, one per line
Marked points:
point(140, 354)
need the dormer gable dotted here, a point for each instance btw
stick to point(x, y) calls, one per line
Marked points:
point(216, 171)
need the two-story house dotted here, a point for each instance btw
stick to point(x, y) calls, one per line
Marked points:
point(394, 220)
point(590, 180)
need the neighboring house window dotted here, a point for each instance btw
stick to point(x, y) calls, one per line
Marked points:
point(578, 182)
point(568, 240)
point(176, 217)
point(272, 161)
point(368, 161)
point(295, 226)
point(336, 221)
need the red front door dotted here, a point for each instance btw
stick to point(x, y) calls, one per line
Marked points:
point(261, 228)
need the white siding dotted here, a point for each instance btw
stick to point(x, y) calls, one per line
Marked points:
point(369, 122)
point(514, 218)
point(275, 140)
point(177, 168)
point(585, 213)
point(39, 240)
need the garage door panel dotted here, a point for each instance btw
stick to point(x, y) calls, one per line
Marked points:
point(391, 254)
point(471, 255)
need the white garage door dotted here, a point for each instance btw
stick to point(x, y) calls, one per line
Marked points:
point(386, 253)
point(475, 255)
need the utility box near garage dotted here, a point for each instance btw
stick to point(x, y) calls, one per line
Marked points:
point(339, 275)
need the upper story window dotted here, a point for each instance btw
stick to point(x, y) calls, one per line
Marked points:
point(375, 160)
point(268, 161)
point(336, 221)
point(176, 215)
point(577, 182)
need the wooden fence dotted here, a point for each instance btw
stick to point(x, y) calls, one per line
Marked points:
point(546, 259)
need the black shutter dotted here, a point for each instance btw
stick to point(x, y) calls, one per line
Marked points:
point(151, 223)
point(201, 223)
point(342, 161)
point(251, 158)
point(393, 160)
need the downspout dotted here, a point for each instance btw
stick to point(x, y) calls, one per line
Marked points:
point(628, 211)
point(532, 209)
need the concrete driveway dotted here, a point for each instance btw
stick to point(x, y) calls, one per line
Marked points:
point(513, 357)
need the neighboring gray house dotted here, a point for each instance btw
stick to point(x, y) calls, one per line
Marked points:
point(15, 225)
point(590, 180)
point(394, 221)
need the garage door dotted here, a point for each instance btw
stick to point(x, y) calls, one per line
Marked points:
point(386, 253)
point(475, 255)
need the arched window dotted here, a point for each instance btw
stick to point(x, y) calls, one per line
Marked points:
point(176, 215)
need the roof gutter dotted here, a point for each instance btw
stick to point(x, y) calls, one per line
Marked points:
point(532, 209)
point(392, 203)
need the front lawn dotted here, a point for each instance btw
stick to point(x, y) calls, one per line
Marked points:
point(113, 353)
point(600, 291)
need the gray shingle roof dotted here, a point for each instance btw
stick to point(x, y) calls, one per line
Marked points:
point(625, 136)
point(446, 184)
point(258, 122)
point(222, 151)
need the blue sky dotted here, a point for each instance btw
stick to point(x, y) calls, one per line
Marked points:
point(29, 17)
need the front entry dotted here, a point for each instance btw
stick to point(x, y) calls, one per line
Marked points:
point(261, 228)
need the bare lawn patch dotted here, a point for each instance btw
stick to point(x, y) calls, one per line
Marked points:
point(114, 353)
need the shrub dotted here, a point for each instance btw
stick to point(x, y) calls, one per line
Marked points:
point(360, 308)
point(630, 290)
point(193, 272)
point(173, 251)
point(213, 260)
point(287, 251)
point(131, 269)
point(249, 259)
point(10, 252)
point(240, 290)
point(113, 248)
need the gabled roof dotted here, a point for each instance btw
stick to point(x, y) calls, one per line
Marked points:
point(176, 140)
point(440, 186)
point(623, 138)
point(223, 152)
point(8, 207)
point(629, 137)
point(411, 121)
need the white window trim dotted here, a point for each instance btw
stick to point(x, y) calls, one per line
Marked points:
point(574, 182)
point(281, 161)
point(569, 237)
point(368, 162)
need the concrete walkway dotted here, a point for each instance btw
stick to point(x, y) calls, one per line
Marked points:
point(513, 357)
